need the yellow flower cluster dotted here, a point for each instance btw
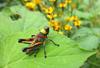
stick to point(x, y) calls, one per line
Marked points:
point(31, 5)
point(37, 1)
point(43, 8)
point(52, 16)
point(77, 23)
point(52, 0)
point(55, 24)
point(49, 10)
point(68, 1)
point(75, 18)
point(62, 5)
point(73, 6)
point(68, 19)
point(67, 27)
point(27, 0)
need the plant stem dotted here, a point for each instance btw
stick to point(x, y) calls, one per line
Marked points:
point(68, 33)
point(68, 9)
point(21, 2)
point(39, 8)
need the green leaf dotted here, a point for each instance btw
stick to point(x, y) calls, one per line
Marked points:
point(87, 38)
point(84, 15)
point(28, 20)
point(88, 42)
point(85, 23)
point(83, 31)
point(96, 31)
point(67, 55)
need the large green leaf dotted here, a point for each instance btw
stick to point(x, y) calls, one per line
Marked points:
point(87, 38)
point(28, 20)
point(67, 55)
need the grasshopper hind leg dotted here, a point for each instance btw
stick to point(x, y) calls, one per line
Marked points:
point(36, 52)
point(24, 49)
point(27, 53)
point(30, 52)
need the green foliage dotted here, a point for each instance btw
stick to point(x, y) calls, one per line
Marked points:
point(67, 55)
point(89, 42)
point(84, 15)
point(87, 38)
point(70, 54)
point(96, 31)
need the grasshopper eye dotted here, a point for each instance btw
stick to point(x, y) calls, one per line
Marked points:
point(47, 29)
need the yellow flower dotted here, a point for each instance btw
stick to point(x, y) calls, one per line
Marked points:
point(62, 5)
point(55, 28)
point(67, 27)
point(55, 24)
point(68, 1)
point(27, 0)
point(49, 10)
point(52, 0)
point(58, 24)
point(52, 23)
point(37, 1)
point(68, 19)
point(77, 23)
point(30, 5)
point(60, 32)
point(74, 18)
point(43, 8)
point(52, 16)
point(73, 6)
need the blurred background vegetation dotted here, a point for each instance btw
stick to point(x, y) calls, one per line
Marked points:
point(88, 11)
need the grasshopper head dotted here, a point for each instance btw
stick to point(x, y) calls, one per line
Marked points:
point(45, 30)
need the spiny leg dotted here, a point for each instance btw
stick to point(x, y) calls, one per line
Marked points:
point(44, 48)
point(52, 41)
point(28, 39)
point(30, 50)
point(27, 49)
point(36, 52)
